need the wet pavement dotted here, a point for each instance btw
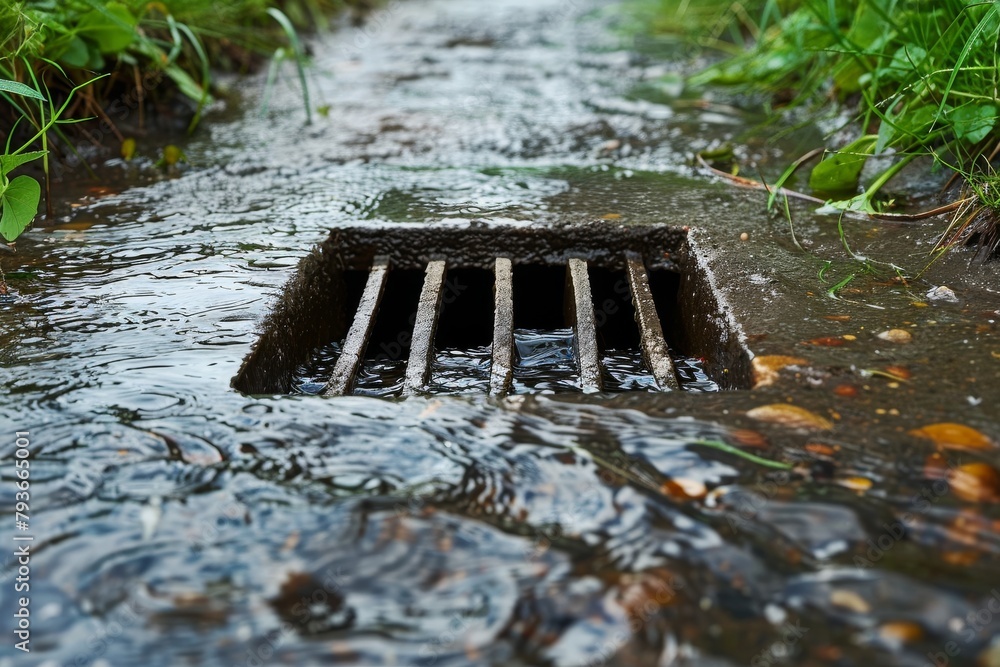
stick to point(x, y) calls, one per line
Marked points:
point(844, 512)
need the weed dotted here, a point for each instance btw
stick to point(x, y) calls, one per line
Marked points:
point(924, 77)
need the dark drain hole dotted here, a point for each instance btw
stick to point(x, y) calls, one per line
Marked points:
point(599, 316)
point(463, 341)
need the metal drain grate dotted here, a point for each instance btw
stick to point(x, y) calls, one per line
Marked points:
point(402, 296)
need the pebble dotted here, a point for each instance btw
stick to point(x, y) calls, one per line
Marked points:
point(896, 336)
point(942, 293)
point(744, 237)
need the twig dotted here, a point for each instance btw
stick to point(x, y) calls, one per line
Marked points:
point(887, 217)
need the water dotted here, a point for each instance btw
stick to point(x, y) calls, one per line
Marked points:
point(178, 522)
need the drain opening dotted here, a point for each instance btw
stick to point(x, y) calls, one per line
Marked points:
point(622, 364)
point(543, 337)
point(464, 337)
point(498, 310)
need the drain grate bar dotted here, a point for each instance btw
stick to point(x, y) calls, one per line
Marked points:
point(581, 305)
point(347, 364)
point(418, 365)
point(502, 367)
point(654, 345)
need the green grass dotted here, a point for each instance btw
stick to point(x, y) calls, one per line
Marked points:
point(147, 52)
point(923, 77)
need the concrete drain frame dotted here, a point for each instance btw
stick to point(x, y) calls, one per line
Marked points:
point(341, 293)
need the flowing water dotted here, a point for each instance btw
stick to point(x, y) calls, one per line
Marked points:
point(177, 522)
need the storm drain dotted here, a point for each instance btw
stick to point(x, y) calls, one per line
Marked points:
point(404, 310)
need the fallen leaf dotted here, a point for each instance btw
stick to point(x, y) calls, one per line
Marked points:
point(745, 437)
point(829, 341)
point(949, 435)
point(684, 489)
point(901, 632)
point(767, 367)
point(819, 449)
point(837, 318)
point(901, 372)
point(859, 484)
point(845, 390)
point(976, 483)
point(790, 415)
point(896, 336)
point(960, 558)
point(849, 600)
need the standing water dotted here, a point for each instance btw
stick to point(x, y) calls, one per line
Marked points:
point(177, 522)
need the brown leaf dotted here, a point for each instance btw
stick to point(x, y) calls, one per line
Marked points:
point(960, 558)
point(837, 318)
point(745, 437)
point(901, 372)
point(790, 415)
point(901, 632)
point(767, 367)
point(828, 341)
point(949, 435)
point(819, 449)
point(684, 489)
point(845, 390)
point(976, 483)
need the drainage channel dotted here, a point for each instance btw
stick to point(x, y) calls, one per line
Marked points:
point(499, 309)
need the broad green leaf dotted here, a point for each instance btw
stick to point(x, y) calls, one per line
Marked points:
point(7, 86)
point(907, 62)
point(76, 53)
point(20, 205)
point(9, 163)
point(860, 204)
point(915, 126)
point(841, 170)
point(973, 122)
point(111, 27)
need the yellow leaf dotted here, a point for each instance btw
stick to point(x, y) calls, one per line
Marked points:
point(976, 483)
point(790, 415)
point(949, 435)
